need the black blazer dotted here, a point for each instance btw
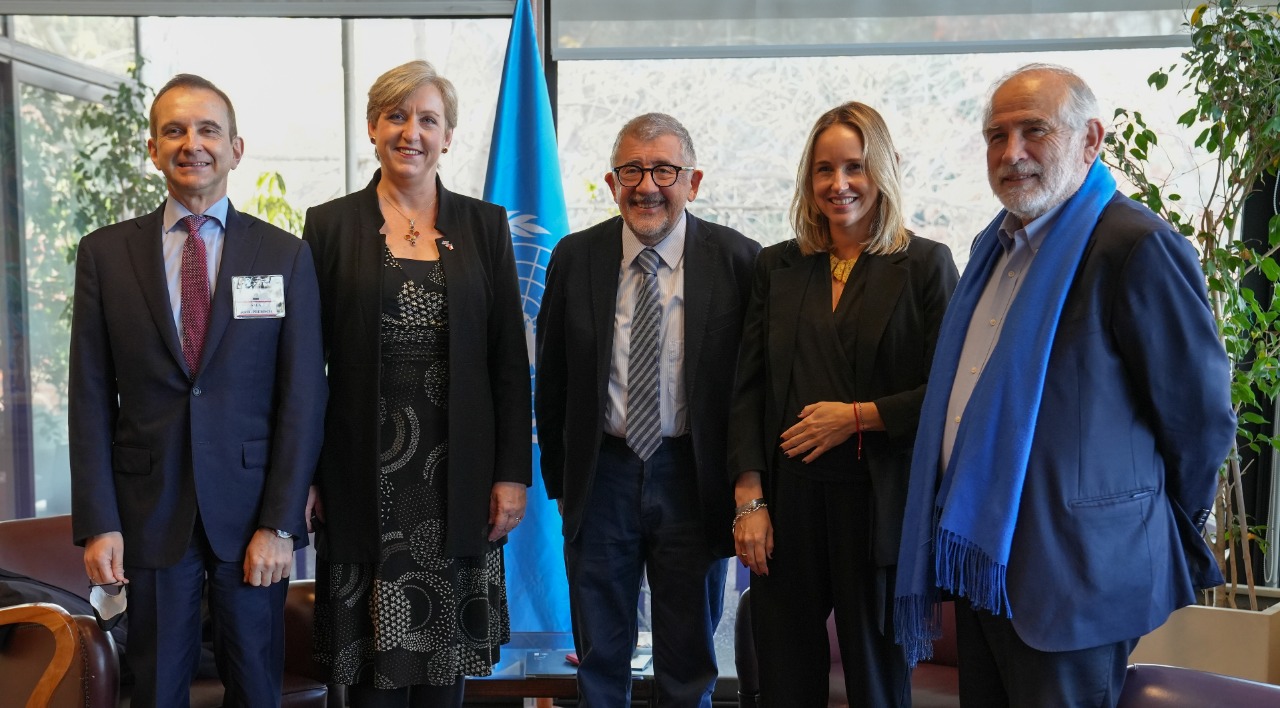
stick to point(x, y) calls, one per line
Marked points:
point(906, 295)
point(489, 406)
point(152, 445)
point(575, 347)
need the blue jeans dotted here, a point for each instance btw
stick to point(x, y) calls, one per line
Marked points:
point(645, 515)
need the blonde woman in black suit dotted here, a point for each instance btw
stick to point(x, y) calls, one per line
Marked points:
point(426, 455)
point(836, 348)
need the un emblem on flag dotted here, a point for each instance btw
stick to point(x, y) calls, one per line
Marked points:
point(532, 256)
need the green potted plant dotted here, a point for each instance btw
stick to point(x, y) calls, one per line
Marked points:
point(1231, 77)
point(112, 177)
point(269, 204)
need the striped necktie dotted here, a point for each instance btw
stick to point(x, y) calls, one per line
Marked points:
point(644, 417)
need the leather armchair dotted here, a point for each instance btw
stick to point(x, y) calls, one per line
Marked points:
point(42, 549)
point(1155, 686)
point(50, 658)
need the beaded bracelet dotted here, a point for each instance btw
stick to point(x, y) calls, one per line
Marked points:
point(857, 420)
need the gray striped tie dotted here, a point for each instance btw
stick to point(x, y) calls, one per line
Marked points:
point(644, 418)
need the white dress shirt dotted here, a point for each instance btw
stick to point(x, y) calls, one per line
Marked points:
point(671, 366)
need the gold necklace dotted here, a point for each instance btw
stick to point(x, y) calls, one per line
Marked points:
point(840, 269)
point(412, 236)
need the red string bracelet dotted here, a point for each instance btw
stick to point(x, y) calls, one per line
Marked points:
point(857, 419)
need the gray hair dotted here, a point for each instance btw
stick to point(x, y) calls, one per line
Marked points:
point(652, 126)
point(1080, 107)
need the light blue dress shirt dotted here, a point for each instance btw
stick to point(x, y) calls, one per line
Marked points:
point(174, 235)
point(1020, 247)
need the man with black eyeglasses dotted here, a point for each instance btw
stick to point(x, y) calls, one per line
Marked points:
point(637, 339)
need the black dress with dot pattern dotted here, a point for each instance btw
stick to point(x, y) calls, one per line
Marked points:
point(417, 616)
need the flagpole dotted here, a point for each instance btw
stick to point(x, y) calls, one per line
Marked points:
point(524, 177)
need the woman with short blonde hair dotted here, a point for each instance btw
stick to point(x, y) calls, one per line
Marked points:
point(426, 453)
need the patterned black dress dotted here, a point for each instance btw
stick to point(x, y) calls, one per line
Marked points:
point(417, 616)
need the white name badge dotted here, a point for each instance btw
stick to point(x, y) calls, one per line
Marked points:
point(257, 296)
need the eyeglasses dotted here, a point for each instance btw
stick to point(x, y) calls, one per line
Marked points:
point(663, 175)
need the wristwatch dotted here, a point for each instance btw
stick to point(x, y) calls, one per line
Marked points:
point(279, 533)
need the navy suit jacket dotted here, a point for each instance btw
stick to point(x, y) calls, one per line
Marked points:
point(575, 348)
point(151, 444)
point(1135, 420)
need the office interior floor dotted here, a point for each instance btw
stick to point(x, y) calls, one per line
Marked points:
point(726, 691)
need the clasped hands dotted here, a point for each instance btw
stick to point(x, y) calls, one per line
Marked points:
point(824, 425)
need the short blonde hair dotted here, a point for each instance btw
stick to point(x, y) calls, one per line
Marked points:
point(396, 84)
point(879, 161)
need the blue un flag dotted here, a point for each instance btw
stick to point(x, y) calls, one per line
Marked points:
point(524, 177)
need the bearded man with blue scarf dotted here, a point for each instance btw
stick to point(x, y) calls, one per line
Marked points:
point(1077, 412)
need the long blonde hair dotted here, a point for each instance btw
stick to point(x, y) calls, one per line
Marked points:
point(879, 161)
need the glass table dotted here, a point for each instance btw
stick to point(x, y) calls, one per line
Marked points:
point(533, 666)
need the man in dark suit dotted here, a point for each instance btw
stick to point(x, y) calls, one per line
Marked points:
point(637, 335)
point(196, 403)
point(1078, 410)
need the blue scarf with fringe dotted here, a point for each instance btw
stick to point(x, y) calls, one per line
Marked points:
point(958, 538)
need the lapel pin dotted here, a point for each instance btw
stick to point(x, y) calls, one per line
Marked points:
point(446, 244)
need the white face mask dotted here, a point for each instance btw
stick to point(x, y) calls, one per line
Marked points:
point(108, 608)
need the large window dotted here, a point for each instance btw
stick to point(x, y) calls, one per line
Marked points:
point(299, 87)
point(749, 119)
point(284, 79)
point(469, 53)
point(56, 66)
point(294, 108)
point(105, 43)
point(668, 29)
point(49, 140)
